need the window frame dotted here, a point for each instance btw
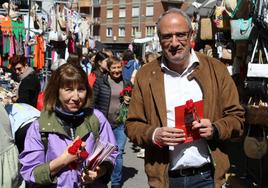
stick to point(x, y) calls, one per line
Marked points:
point(120, 30)
point(136, 14)
point(148, 11)
point(109, 16)
point(124, 13)
point(109, 30)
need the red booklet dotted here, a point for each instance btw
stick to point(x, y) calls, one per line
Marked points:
point(185, 115)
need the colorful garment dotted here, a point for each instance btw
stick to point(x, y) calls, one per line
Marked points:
point(18, 29)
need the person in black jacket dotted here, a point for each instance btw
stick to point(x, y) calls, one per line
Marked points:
point(29, 85)
point(101, 86)
point(107, 88)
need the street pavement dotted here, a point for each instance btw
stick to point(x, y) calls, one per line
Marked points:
point(133, 169)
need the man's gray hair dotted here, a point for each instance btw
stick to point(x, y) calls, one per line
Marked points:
point(172, 11)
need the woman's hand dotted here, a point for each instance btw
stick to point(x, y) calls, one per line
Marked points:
point(69, 157)
point(127, 99)
point(65, 158)
point(90, 176)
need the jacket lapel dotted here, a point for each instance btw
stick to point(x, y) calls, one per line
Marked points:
point(158, 92)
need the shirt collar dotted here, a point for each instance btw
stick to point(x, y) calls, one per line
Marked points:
point(194, 61)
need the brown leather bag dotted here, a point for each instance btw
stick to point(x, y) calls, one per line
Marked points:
point(255, 147)
point(206, 29)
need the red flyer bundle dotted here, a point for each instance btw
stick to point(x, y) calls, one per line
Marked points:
point(185, 115)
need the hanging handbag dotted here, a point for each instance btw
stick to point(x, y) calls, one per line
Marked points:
point(256, 86)
point(241, 29)
point(61, 17)
point(260, 16)
point(206, 29)
point(230, 6)
point(226, 53)
point(255, 147)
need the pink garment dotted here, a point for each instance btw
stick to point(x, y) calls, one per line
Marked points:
point(71, 46)
point(53, 56)
point(3, 41)
point(12, 46)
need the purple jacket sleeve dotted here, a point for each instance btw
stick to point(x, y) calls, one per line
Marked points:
point(33, 154)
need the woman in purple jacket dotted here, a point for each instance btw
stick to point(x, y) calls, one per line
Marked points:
point(67, 117)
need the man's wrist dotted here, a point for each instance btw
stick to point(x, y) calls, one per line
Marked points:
point(153, 138)
point(215, 135)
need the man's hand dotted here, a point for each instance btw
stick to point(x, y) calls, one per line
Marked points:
point(205, 128)
point(167, 136)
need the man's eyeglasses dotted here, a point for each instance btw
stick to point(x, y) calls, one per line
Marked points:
point(180, 36)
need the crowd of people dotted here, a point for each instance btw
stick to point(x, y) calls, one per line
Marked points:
point(81, 104)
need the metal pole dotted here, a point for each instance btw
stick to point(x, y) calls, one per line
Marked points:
point(92, 16)
point(8, 7)
point(30, 6)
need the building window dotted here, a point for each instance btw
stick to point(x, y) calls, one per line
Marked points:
point(109, 32)
point(149, 11)
point(150, 30)
point(109, 13)
point(121, 32)
point(122, 13)
point(135, 11)
point(134, 30)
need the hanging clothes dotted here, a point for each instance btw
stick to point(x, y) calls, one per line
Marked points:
point(71, 45)
point(29, 50)
point(12, 46)
point(19, 45)
point(1, 44)
point(6, 45)
point(5, 23)
point(39, 52)
point(18, 28)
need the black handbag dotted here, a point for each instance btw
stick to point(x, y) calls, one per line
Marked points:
point(257, 86)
